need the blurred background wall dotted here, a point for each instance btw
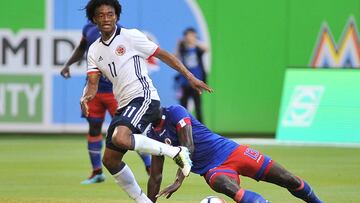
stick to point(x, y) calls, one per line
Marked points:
point(252, 43)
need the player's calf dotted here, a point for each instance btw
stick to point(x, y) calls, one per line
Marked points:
point(280, 176)
point(226, 182)
point(305, 192)
point(95, 127)
point(247, 196)
point(296, 186)
point(232, 190)
point(112, 160)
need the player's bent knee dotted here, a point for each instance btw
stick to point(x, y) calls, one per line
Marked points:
point(224, 184)
point(215, 184)
point(121, 137)
point(122, 141)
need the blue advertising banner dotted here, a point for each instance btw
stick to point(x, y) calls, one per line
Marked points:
point(163, 22)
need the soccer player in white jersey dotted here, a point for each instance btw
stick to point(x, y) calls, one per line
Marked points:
point(120, 55)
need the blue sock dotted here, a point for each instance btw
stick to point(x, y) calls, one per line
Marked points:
point(305, 193)
point(146, 159)
point(94, 148)
point(247, 196)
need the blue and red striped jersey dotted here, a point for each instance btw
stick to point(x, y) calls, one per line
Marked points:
point(211, 149)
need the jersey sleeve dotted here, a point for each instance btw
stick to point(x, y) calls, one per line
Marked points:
point(143, 45)
point(180, 117)
point(91, 65)
point(86, 29)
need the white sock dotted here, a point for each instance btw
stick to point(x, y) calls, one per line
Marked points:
point(126, 180)
point(143, 198)
point(146, 145)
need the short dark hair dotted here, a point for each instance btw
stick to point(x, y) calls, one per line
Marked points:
point(93, 4)
point(189, 29)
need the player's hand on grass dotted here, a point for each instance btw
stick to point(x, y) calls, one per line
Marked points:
point(84, 106)
point(169, 190)
point(65, 72)
point(199, 85)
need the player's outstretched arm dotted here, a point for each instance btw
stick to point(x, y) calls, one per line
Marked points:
point(173, 62)
point(186, 138)
point(89, 92)
point(169, 190)
point(77, 54)
point(154, 183)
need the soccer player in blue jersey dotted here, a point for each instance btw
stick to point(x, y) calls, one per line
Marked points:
point(219, 160)
point(103, 101)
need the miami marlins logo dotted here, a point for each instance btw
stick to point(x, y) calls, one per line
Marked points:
point(120, 50)
point(328, 54)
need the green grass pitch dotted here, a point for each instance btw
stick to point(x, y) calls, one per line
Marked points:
point(50, 168)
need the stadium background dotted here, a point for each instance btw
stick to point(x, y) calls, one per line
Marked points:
point(246, 66)
point(253, 46)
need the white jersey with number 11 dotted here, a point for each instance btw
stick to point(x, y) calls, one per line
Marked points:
point(122, 59)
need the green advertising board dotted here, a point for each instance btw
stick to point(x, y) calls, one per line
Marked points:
point(21, 98)
point(320, 105)
point(23, 14)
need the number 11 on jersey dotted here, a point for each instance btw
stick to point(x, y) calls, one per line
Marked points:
point(112, 69)
point(129, 113)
